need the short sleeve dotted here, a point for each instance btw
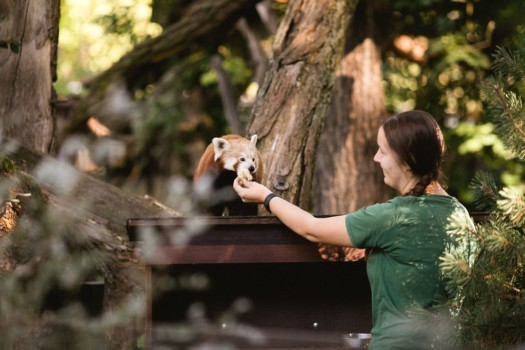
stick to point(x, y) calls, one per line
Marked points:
point(367, 226)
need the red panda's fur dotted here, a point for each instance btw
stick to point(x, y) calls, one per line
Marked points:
point(216, 171)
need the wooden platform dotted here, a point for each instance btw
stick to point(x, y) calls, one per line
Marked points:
point(296, 298)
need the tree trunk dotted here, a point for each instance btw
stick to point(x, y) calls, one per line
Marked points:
point(85, 195)
point(346, 177)
point(291, 104)
point(28, 39)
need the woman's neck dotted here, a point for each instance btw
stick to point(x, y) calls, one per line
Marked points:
point(410, 183)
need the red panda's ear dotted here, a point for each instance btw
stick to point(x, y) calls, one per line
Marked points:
point(219, 147)
point(254, 139)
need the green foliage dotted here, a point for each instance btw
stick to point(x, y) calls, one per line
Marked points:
point(120, 22)
point(455, 49)
point(6, 164)
point(474, 147)
point(479, 136)
point(503, 94)
point(485, 268)
point(485, 192)
point(158, 136)
point(96, 33)
point(486, 275)
point(447, 84)
point(234, 65)
point(512, 204)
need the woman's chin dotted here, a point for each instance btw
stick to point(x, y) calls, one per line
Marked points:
point(388, 183)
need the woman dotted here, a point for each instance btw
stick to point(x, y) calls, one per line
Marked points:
point(404, 236)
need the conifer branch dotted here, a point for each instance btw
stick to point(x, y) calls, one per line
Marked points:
point(485, 271)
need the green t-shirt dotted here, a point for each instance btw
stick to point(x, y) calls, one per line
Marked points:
point(405, 238)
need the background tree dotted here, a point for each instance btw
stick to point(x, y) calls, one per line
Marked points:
point(28, 56)
point(485, 269)
point(346, 178)
point(291, 104)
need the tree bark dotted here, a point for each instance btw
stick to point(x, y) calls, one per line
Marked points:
point(101, 202)
point(346, 177)
point(291, 104)
point(28, 37)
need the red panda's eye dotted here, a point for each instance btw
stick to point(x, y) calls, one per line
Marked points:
point(242, 159)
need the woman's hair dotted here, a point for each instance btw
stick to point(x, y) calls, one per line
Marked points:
point(417, 140)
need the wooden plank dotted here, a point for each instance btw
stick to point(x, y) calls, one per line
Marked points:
point(212, 230)
point(217, 240)
point(210, 220)
point(217, 235)
point(232, 254)
point(218, 230)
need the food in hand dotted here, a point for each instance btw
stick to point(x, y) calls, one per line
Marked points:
point(244, 174)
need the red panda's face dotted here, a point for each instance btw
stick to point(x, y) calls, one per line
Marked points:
point(237, 154)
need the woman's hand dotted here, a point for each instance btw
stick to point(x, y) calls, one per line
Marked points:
point(250, 191)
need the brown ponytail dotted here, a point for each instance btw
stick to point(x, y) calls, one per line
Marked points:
point(417, 140)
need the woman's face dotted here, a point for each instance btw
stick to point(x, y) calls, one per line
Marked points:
point(396, 173)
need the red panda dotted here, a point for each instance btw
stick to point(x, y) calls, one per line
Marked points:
point(219, 165)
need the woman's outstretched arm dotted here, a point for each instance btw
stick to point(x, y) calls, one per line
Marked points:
point(329, 230)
